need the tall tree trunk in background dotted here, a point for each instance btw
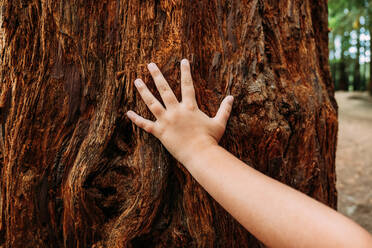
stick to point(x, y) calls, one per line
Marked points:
point(77, 173)
point(364, 69)
point(370, 59)
point(343, 79)
point(334, 75)
point(334, 64)
point(356, 80)
point(364, 77)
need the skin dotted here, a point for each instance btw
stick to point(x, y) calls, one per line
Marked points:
point(276, 214)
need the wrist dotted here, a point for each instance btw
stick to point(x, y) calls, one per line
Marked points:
point(194, 151)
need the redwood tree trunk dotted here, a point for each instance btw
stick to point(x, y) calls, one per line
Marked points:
point(77, 173)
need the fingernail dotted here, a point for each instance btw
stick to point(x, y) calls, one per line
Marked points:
point(138, 82)
point(130, 114)
point(184, 62)
point(230, 99)
point(151, 66)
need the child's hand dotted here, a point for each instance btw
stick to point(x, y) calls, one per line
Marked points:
point(180, 126)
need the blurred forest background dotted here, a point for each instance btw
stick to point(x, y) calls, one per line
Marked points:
point(350, 24)
point(350, 44)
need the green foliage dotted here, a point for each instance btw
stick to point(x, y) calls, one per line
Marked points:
point(350, 22)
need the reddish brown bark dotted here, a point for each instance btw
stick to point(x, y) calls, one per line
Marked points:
point(77, 173)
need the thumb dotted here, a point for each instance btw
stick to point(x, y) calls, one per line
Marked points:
point(224, 111)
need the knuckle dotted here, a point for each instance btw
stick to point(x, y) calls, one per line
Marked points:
point(159, 131)
point(169, 118)
point(140, 123)
point(157, 110)
point(190, 106)
point(168, 97)
point(188, 82)
point(163, 88)
point(148, 128)
point(150, 102)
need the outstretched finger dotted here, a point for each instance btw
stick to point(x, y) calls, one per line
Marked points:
point(151, 102)
point(163, 87)
point(187, 87)
point(224, 111)
point(147, 125)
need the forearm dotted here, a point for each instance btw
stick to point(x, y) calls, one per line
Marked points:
point(275, 213)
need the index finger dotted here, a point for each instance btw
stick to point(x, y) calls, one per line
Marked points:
point(163, 87)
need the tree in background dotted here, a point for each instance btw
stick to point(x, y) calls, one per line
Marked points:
point(369, 26)
point(350, 21)
point(77, 173)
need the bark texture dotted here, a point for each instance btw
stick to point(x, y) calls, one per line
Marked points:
point(76, 173)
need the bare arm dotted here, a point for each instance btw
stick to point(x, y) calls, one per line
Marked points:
point(276, 214)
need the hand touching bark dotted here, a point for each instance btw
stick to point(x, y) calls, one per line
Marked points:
point(180, 126)
point(267, 208)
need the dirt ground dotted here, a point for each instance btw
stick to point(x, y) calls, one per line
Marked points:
point(354, 157)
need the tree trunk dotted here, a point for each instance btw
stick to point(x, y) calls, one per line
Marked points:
point(334, 64)
point(370, 60)
point(77, 173)
point(356, 80)
point(364, 69)
point(343, 81)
